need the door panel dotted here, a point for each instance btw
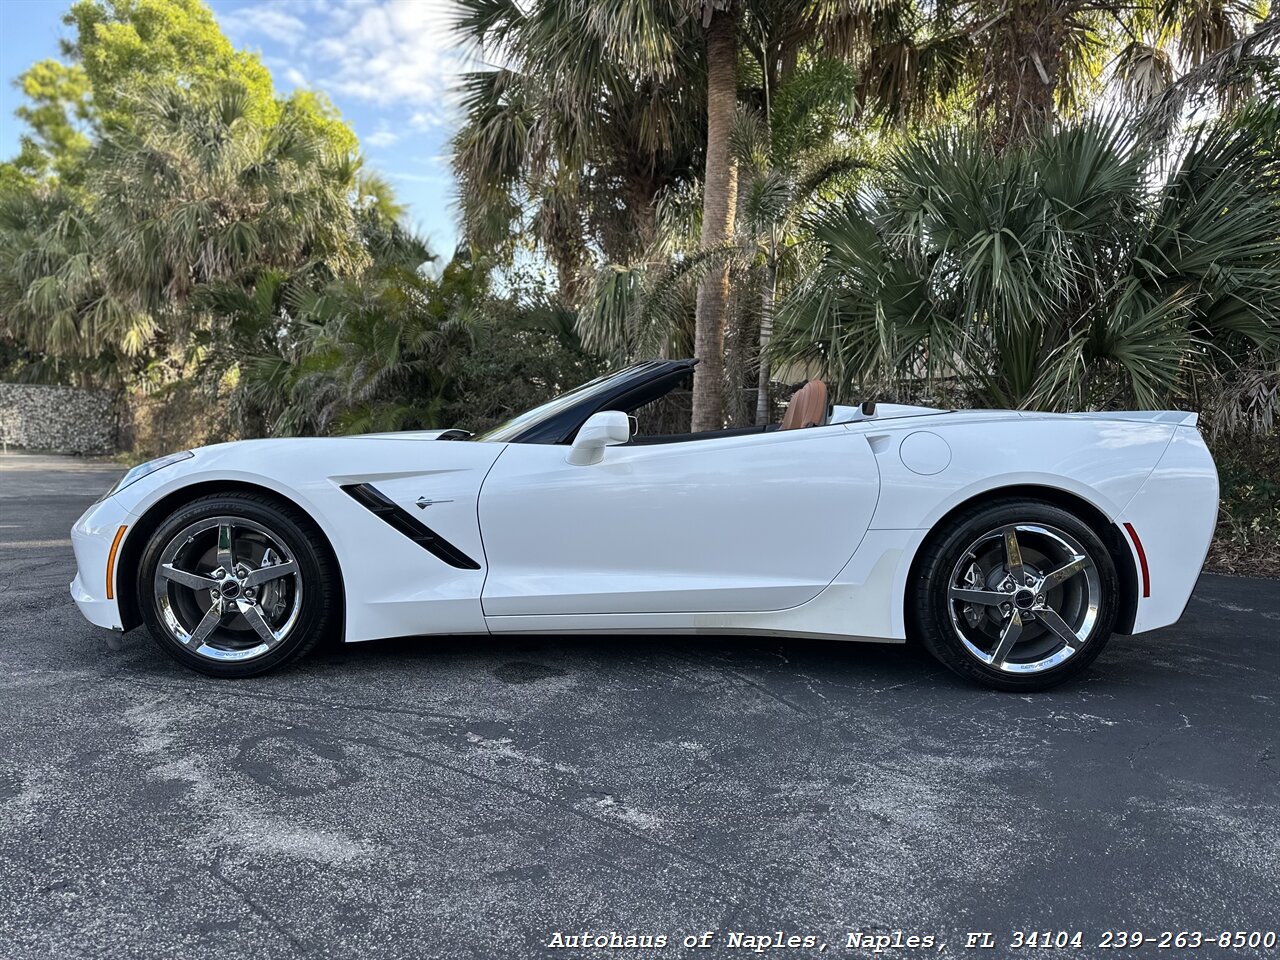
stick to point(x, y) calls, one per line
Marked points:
point(757, 522)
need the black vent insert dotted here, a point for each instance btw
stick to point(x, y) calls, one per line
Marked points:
point(386, 510)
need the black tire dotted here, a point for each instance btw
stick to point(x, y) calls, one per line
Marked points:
point(962, 554)
point(304, 605)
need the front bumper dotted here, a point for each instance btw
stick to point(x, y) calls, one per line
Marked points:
point(92, 538)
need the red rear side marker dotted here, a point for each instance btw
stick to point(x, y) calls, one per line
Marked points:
point(1142, 559)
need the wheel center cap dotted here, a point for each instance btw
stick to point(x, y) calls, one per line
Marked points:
point(1025, 598)
point(230, 588)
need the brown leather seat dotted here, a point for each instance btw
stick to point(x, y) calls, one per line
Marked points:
point(807, 407)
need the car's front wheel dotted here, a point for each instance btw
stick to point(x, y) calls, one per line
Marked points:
point(233, 585)
point(1016, 594)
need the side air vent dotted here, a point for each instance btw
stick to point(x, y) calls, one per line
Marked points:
point(413, 528)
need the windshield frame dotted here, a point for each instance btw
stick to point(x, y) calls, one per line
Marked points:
point(558, 420)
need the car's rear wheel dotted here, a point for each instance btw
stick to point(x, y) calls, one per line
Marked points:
point(233, 585)
point(1016, 594)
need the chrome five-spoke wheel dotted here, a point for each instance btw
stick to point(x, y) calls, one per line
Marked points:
point(228, 588)
point(1024, 597)
point(235, 584)
point(1016, 594)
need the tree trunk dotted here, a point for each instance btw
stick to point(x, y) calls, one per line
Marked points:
point(1022, 69)
point(768, 294)
point(560, 230)
point(719, 198)
point(567, 246)
point(641, 192)
point(737, 352)
point(769, 288)
point(568, 281)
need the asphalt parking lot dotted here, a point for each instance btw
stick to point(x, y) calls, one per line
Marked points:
point(470, 797)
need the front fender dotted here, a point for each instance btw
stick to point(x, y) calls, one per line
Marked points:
point(391, 585)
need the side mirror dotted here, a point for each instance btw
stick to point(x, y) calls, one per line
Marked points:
point(601, 430)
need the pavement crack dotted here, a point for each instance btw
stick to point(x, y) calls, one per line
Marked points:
point(666, 848)
point(258, 910)
point(375, 709)
point(759, 687)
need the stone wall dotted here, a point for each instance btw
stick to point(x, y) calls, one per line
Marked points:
point(178, 417)
point(58, 419)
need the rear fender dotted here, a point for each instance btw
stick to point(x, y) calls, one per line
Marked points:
point(1170, 524)
point(1102, 462)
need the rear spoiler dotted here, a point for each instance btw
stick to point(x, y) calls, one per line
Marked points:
point(1176, 417)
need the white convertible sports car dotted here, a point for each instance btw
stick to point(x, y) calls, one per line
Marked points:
point(1012, 544)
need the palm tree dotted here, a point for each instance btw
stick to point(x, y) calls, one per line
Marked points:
point(202, 192)
point(1018, 65)
point(1041, 57)
point(196, 193)
point(789, 147)
point(719, 203)
point(805, 136)
point(52, 299)
point(1249, 64)
point(544, 128)
point(576, 137)
point(775, 32)
point(1049, 275)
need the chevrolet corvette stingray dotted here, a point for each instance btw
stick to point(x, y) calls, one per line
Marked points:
point(1012, 544)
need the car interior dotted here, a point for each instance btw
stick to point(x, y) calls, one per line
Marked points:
point(655, 394)
point(809, 406)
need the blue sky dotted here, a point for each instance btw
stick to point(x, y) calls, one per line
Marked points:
point(388, 65)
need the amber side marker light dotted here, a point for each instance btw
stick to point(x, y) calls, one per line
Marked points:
point(111, 563)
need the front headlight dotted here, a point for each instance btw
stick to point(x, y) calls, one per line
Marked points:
point(146, 469)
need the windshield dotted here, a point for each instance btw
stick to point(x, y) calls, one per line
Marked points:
point(504, 432)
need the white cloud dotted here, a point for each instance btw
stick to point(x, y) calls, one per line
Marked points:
point(434, 116)
point(382, 138)
point(433, 178)
point(402, 53)
point(269, 19)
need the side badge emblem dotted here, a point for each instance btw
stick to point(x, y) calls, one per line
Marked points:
point(423, 502)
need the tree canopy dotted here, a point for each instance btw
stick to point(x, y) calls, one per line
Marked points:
point(121, 47)
point(1049, 202)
